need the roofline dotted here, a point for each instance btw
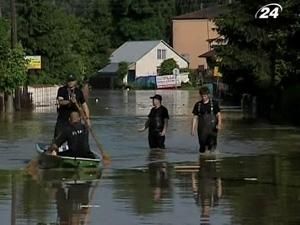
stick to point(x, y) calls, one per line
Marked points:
point(160, 41)
point(212, 51)
point(146, 52)
point(194, 18)
point(171, 48)
point(139, 57)
point(129, 64)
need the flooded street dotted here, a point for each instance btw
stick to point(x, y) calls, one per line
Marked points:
point(254, 179)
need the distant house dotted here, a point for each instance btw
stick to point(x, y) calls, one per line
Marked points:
point(193, 34)
point(144, 59)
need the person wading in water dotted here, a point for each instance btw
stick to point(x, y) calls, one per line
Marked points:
point(207, 117)
point(157, 123)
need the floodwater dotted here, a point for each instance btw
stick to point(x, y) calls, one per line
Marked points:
point(254, 179)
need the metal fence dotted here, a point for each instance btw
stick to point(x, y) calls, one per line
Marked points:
point(43, 96)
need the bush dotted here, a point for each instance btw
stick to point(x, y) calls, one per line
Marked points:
point(167, 66)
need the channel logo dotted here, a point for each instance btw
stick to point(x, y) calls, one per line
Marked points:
point(271, 10)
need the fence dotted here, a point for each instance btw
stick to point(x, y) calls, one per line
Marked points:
point(43, 96)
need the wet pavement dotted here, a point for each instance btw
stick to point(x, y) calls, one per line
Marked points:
point(254, 179)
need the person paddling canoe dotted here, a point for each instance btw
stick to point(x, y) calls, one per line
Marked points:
point(77, 137)
point(67, 97)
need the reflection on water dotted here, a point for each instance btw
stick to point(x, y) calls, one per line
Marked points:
point(52, 197)
point(159, 174)
point(73, 202)
point(207, 188)
point(253, 180)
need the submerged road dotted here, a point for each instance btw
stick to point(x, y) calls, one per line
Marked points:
point(253, 180)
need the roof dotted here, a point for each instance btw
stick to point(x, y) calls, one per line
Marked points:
point(206, 13)
point(208, 54)
point(110, 68)
point(132, 51)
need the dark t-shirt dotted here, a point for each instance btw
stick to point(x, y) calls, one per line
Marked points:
point(64, 111)
point(76, 135)
point(200, 108)
point(156, 118)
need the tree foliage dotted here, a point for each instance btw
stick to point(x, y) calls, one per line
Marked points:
point(260, 54)
point(12, 62)
point(142, 19)
point(121, 73)
point(78, 36)
point(48, 31)
point(167, 66)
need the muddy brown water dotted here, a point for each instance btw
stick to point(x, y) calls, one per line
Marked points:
point(254, 179)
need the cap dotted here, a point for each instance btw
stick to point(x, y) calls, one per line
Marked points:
point(158, 97)
point(71, 77)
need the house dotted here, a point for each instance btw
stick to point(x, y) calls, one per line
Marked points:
point(143, 58)
point(193, 34)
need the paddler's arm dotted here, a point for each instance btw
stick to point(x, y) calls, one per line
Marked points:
point(57, 142)
point(53, 149)
point(61, 101)
point(194, 125)
point(86, 110)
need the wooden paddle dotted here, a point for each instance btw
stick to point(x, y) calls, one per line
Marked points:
point(104, 155)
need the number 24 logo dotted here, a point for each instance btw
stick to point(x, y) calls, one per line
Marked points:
point(270, 10)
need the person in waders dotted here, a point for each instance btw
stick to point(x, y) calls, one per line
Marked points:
point(157, 123)
point(207, 118)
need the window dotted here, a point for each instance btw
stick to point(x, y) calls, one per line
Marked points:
point(164, 53)
point(161, 53)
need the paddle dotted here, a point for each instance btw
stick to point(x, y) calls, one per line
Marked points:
point(104, 155)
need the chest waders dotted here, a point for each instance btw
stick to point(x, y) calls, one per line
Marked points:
point(207, 131)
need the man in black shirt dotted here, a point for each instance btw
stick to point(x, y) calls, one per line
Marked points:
point(77, 137)
point(67, 97)
point(207, 117)
point(157, 123)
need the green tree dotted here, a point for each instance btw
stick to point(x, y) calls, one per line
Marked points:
point(13, 70)
point(98, 23)
point(121, 73)
point(142, 20)
point(48, 31)
point(259, 54)
point(12, 65)
point(167, 66)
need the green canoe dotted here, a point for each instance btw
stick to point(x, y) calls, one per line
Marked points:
point(69, 176)
point(47, 161)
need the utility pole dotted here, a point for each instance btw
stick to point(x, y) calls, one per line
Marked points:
point(13, 16)
point(0, 8)
point(2, 102)
point(14, 41)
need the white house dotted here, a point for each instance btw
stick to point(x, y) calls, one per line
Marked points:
point(143, 57)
